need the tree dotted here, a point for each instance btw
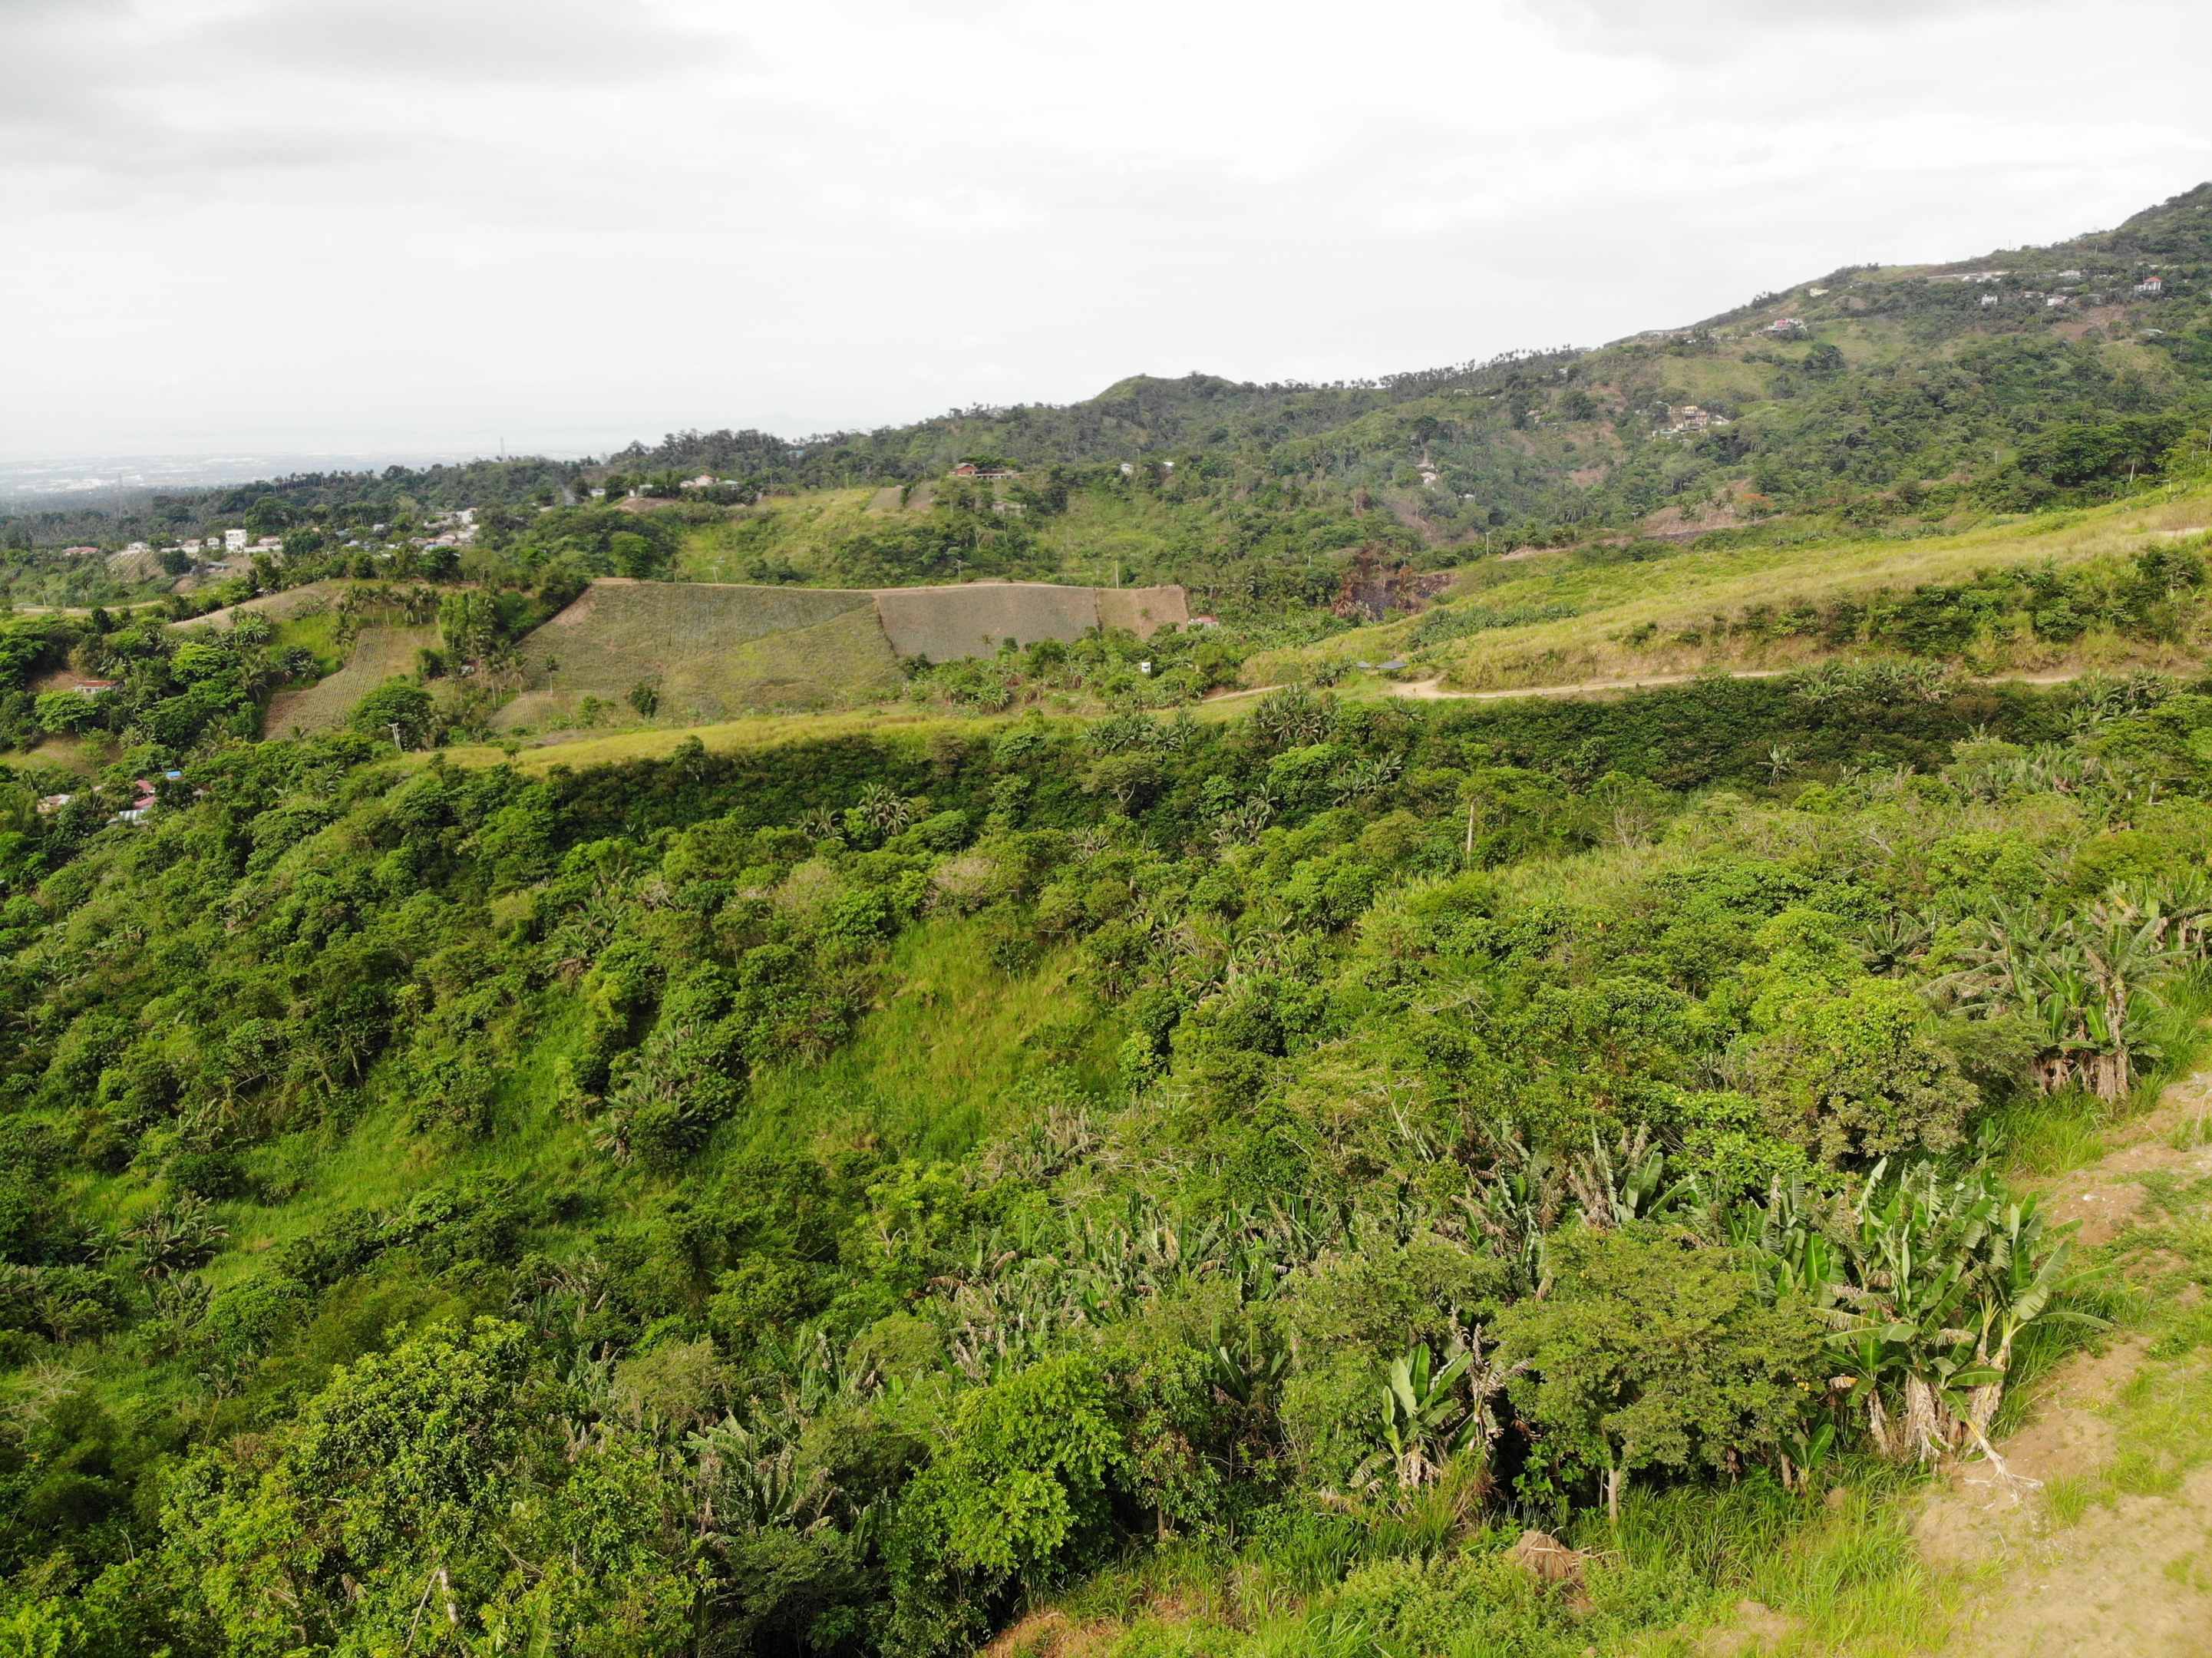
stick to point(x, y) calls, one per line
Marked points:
point(469, 623)
point(1023, 1493)
point(1654, 1351)
point(636, 556)
point(395, 704)
point(412, 1509)
point(67, 711)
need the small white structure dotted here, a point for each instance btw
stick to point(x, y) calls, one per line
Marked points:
point(2151, 285)
point(234, 541)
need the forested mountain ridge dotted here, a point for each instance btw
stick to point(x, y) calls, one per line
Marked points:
point(1898, 377)
point(2016, 379)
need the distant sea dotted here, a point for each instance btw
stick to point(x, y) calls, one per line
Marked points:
point(74, 479)
point(85, 479)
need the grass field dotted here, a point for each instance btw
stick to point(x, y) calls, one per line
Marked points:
point(708, 653)
point(378, 654)
point(635, 740)
point(292, 603)
point(1679, 593)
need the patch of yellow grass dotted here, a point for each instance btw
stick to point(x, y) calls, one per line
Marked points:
point(729, 737)
point(1684, 592)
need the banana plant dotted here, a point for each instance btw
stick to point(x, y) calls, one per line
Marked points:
point(1616, 1184)
point(1518, 1208)
point(1250, 1372)
point(1429, 1418)
point(1939, 1282)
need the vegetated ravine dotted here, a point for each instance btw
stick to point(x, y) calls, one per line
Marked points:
point(831, 1200)
point(1131, 1183)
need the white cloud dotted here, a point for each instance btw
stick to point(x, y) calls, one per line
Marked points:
point(312, 223)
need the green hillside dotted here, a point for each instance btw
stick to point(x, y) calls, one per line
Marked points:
point(682, 1206)
point(719, 1074)
point(2114, 588)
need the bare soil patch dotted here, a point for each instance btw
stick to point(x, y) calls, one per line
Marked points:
point(2105, 1555)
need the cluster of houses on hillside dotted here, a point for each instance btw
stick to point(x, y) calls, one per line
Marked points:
point(1689, 417)
point(455, 528)
point(142, 800)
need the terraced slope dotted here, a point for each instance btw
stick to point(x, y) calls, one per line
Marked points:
point(378, 654)
point(713, 651)
point(708, 651)
point(976, 618)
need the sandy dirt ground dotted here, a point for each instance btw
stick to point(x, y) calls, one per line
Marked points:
point(2124, 1573)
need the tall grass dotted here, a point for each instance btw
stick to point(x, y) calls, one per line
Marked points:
point(1846, 1574)
point(960, 1051)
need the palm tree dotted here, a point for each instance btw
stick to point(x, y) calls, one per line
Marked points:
point(885, 809)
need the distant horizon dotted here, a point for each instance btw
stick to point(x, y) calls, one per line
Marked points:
point(483, 221)
point(60, 479)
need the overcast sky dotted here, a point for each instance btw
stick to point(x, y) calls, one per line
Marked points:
point(424, 225)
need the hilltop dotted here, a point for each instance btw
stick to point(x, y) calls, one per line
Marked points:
point(2021, 378)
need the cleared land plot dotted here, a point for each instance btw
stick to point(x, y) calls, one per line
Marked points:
point(378, 654)
point(757, 733)
point(974, 619)
point(710, 652)
point(277, 607)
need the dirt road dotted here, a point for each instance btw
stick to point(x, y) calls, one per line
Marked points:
point(1432, 690)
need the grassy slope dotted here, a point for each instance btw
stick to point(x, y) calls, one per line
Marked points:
point(955, 1052)
point(709, 652)
point(378, 654)
point(1684, 591)
point(803, 529)
point(797, 529)
point(950, 1056)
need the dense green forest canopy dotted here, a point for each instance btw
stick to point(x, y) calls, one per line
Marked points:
point(816, 1199)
